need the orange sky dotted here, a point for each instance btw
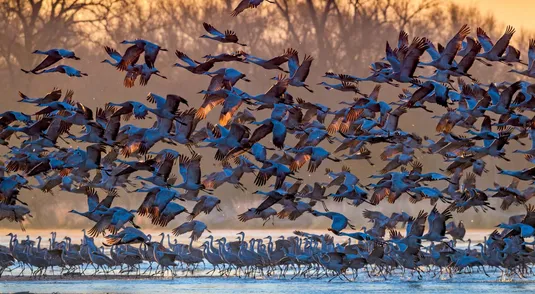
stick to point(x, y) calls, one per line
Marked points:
point(518, 13)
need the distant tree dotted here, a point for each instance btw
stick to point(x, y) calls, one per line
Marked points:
point(42, 24)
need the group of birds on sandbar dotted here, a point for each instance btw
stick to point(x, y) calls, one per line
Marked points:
point(478, 123)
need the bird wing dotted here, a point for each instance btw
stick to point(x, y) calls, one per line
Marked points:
point(57, 127)
point(248, 215)
point(196, 234)
point(392, 58)
point(130, 77)
point(374, 215)
point(112, 128)
point(468, 60)
point(151, 52)
point(145, 77)
point(244, 4)
point(418, 225)
point(500, 46)
point(146, 205)
point(512, 54)
point(304, 69)
point(531, 54)
point(94, 153)
point(279, 134)
point(432, 50)
point(131, 55)
point(411, 59)
point(92, 198)
point(210, 101)
point(100, 226)
point(231, 36)
point(486, 125)
point(267, 203)
point(239, 131)
point(278, 60)
point(183, 162)
point(403, 39)
point(507, 95)
point(454, 45)
point(293, 60)
point(183, 228)
point(166, 166)
point(194, 169)
point(85, 111)
point(182, 56)
point(484, 39)
point(113, 53)
point(529, 219)
point(159, 100)
point(172, 102)
point(210, 29)
point(48, 61)
point(299, 160)
point(380, 194)
point(54, 95)
point(106, 202)
point(279, 88)
point(261, 132)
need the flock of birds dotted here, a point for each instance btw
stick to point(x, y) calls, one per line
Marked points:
point(471, 108)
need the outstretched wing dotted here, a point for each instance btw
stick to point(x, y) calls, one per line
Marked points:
point(210, 29)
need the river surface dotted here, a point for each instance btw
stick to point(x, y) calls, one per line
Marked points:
point(475, 283)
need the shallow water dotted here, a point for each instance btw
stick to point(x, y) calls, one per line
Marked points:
point(399, 283)
point(459, 284)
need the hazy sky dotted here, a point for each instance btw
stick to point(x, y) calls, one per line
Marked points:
point(518, 13)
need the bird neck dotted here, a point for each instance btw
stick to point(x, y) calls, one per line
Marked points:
point(169, 241)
